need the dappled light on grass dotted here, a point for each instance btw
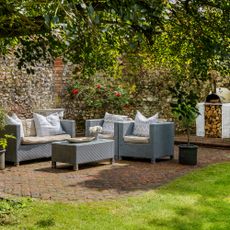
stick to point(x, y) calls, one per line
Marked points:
point(199, 200)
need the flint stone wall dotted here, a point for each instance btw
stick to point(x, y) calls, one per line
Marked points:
point(21, 92)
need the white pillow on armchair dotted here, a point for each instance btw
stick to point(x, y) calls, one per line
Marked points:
point(47, 126)
point(141, 125)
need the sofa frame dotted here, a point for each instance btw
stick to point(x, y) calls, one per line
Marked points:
point(17, 152)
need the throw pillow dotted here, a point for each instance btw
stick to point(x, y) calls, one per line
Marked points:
point(109, 119)
point(14, 120)
point(47, 126)
point(29, 127)
point(141, 124)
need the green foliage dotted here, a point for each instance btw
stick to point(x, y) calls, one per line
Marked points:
point(183, 105)
point(2, 119)
point(195, 39)
point(4, 138)
point(92, 34)
point(9, 209)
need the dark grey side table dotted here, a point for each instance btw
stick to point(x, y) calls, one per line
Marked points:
point(79, 153)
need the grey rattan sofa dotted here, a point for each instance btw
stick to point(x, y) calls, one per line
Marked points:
point(17, 152)
point(160, 143)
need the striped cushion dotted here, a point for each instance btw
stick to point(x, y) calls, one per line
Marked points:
point(29, 127)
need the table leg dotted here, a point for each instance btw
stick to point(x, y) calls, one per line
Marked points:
point(54, 164)
point(112, 161)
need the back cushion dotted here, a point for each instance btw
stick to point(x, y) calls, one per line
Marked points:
point(47, 126)
point(14, 120)
point(141, 125)
point(29, 127)
point(109, 119)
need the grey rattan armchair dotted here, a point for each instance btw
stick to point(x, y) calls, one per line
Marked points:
point(160, 141)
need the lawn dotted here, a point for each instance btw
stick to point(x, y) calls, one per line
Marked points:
point(199, 200)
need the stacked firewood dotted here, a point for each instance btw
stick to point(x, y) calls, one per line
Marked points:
point(213, 120)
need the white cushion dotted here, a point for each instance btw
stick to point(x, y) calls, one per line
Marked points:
point(109, 119)
point(47, 126)
point(29, 127)
point(136, 139)
point(43, 140)
point(141, 125)
point(14, 120)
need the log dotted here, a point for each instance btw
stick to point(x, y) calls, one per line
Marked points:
point(213, 119)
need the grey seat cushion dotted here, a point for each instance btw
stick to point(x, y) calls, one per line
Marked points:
point(42, 140)
point(136, 139)
point(106, 135)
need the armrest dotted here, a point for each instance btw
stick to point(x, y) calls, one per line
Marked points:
point(162, 132)
point(92, 122)
point(69, 126)
point(13, 130)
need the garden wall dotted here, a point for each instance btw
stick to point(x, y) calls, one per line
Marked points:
point(21, 92)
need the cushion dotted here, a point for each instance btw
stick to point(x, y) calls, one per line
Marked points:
point(47, 126)
point(14, 120)
point(109, 119)
point(136, 139)
point(105, 136)
point(29, 127)
point(141, 124)
point(43, 140)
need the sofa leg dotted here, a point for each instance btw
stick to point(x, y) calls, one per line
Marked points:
point(75, 167)
point(53, 164)
point(171, 157)
point(112, 161)
point(153, 161)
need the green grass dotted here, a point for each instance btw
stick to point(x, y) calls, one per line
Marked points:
point(199, 200)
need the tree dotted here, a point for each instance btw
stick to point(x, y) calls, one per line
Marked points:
point(195, 38)
point(90, 33)
point(189, 36)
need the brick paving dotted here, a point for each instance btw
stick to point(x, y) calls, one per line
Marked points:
point(101, 181)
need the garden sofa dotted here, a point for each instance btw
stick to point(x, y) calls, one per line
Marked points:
point(33, 147)
point(158, 144)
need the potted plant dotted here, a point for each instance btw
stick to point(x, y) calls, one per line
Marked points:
point(185, 110)
point(3, 139)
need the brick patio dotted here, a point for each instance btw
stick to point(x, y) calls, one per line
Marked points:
point(95, 182)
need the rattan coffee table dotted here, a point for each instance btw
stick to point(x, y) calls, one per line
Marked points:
point(80, 153)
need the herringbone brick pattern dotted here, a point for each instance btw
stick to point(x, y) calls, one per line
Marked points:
point(100, 181)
